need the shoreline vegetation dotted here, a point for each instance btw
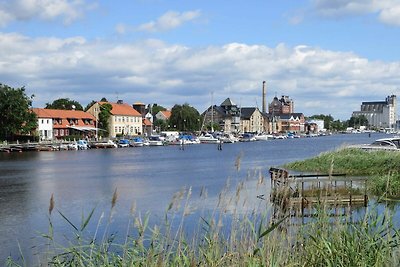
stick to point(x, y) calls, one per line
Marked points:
point(226, 236)
point(247, 240)
point(381, 167)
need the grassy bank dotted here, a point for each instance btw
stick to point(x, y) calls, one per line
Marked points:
point(383, 167)
point(243, 240)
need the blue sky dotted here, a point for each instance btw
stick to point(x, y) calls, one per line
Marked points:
point(327, 55)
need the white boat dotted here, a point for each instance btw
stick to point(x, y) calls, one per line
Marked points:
point(228, 138)
point(247, 137)
point(208, 139)
point(155, 140)
point(391, 144)
point(263, 137)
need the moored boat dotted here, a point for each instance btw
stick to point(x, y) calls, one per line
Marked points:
point(208, 138)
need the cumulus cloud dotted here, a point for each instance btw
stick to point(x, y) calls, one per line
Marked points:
point(152, 71)
point(388, 10)
point(22, 10)
point(169, 21)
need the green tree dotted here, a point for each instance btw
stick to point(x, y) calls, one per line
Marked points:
point(357, 121)
point(185, 118)
point(103, 99)
point(328, 119)
point(161, 125)
point(156, 108)
point(104, 115)
point(15, 114)
point(64, 103)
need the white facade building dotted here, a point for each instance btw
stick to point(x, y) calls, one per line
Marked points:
point(380, 114)
point(45, 128)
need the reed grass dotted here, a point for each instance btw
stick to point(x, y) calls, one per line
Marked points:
point(382, 167)
point(351, 161)
point(226, 236)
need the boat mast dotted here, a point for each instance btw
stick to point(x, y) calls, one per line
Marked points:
point(212, 112)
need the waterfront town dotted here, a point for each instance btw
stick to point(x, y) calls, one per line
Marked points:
point(226, 122)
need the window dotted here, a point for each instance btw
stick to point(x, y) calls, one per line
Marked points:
point(61, 132)
point(42, 121)
point(56, 132)
point(115, 129)
point(47, 121)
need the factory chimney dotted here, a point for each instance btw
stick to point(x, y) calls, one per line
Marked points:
point(264, 103)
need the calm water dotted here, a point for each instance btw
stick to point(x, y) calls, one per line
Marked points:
point(147, 176)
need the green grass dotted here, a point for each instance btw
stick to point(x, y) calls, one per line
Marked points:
point(351, 161)
point(382, 168)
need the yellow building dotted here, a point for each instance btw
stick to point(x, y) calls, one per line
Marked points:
point(124, 119)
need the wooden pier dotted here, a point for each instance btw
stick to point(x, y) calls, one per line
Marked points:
point(304, 192)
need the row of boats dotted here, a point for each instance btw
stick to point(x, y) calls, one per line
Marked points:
point(153, 140)
point(205, 138)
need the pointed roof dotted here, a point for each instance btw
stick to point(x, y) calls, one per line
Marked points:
point(166, 113)
point(122, 109)
point(227, 102)
point(246, 113)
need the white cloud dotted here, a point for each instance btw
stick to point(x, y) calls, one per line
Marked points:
point(21, 10)
point(169, 21)
point(154, 71)
point(388, 10)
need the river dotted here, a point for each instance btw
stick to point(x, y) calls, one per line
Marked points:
point(146, 178)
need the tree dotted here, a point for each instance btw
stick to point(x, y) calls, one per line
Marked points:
point(16, 116)
point(357, 121)
point(185, 118)
point(104, 115)
point(156, 108)
point(328, 119)
point(103, 99)
point(64, 103)
point(162, 125)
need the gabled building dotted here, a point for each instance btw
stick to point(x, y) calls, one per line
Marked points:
point(226, 115)
point(59, 124)
point(163, 115)
point(124, 119)
point(251, 120)
point(292, 122)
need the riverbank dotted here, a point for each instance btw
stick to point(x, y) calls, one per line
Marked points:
point(382, 167)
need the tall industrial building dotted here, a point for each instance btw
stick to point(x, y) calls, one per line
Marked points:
point(380, 114)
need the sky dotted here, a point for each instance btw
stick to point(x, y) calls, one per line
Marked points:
point(327, 55)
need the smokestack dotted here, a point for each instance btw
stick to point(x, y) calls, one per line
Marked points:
point(264, 103)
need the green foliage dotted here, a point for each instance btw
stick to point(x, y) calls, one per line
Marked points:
point(15, 114)
point(328, 119)
point(373, 241)
point(386, 185)
point(161, 125)
point(250, 239)
point(157, 108)
point(104, 115)
point(352, 161)
point(357, 121)
point(185, 117)
point(382, 166)
point(64, 103)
